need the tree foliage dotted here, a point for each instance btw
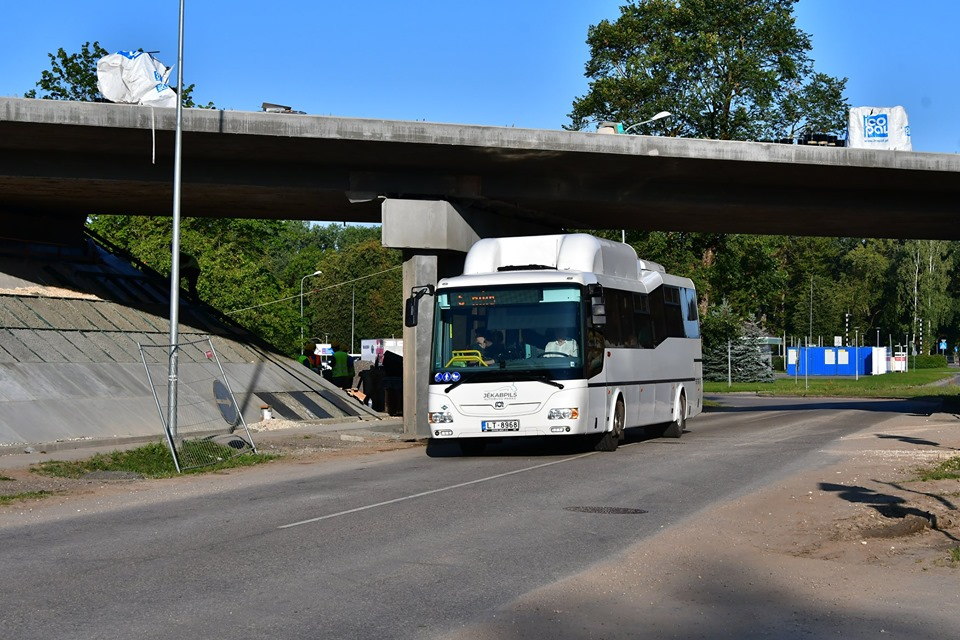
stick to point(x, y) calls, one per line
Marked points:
point(801, 287)
point(725, 69)
point(251, 271)
point(733, 348)
point(71, 76)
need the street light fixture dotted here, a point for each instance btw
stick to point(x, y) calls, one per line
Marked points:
point(309, 275)
point(659, 116)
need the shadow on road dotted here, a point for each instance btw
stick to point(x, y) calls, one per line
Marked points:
point(527, 446)
point(923, 406)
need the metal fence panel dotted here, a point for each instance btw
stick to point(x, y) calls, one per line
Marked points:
point(209, 425)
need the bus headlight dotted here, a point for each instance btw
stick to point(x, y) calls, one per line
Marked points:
point(439, 417)
point(563, 414)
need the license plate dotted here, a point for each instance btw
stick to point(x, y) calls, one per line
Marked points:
point(500, 425)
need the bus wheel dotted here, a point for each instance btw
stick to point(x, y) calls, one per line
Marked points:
point(471, 446)
point(675, 428)
point(611, 439)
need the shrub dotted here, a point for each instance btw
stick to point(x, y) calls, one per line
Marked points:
point(929, 362)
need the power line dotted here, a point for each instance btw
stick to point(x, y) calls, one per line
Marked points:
point(332, 286)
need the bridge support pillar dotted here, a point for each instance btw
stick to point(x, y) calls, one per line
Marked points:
point(434, 237)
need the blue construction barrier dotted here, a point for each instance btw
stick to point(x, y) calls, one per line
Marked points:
point(831, 361)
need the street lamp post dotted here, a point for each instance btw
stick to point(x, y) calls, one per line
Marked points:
point(659, 116)
point(309, 275)
point(173, 363)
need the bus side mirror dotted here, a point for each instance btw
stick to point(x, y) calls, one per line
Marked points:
point(410, 312)
point(412, 304)
point(598, 310)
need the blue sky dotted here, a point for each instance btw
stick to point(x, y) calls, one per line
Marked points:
point(490, 63)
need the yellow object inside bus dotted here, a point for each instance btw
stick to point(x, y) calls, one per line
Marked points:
point(463, 358)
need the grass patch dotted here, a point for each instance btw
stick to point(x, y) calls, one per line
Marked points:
point(909, 384)
point(150, 460)
point(6, 479)
point(945, 470)
point(955, 555)
point(26, 495)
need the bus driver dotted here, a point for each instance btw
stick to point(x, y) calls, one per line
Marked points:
point(561, 344)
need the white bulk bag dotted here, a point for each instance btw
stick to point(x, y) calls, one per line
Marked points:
point(879, 128)
point(135, 77)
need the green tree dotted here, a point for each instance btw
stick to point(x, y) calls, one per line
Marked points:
point(73, 76)
point(733, 348)
point(251, 270)
point(748, 273)
point(924, 278)
point(725, 69)
point(360, 294)
point(866, 282)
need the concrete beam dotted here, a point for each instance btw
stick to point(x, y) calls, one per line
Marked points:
point(426, 225)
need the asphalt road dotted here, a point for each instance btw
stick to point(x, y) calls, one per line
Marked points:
point(394, 545)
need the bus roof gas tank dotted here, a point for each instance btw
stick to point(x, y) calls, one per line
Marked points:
point(564, 252)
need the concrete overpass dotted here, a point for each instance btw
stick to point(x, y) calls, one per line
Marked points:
point(436, 188)
point(62, 158)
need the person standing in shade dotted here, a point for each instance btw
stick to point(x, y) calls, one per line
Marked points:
point(310, 359)
point(190, 271)
point(342, 373)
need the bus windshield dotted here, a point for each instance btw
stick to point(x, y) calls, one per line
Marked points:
point(486, 331)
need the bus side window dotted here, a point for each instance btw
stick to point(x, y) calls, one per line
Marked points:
point(642, 321)
point(611, 329)
point(594, 351)
point(691, 321)
point(619, 327)
point(673, 312)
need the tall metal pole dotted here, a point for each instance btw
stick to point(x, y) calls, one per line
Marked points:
point(353, 315)
point(309, 275)
point(856, 355)
point(729, 365)
point(175, 245)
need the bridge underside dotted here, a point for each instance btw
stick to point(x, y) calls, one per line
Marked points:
point(62, 158)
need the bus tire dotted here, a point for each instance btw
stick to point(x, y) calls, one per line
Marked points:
point(610, 440)
point(675, 428)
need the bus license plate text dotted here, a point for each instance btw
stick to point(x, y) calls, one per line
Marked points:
point(500, 425)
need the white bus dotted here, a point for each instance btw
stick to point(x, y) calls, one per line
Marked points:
point(580, 339)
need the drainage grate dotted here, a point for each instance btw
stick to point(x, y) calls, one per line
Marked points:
point(614, 510)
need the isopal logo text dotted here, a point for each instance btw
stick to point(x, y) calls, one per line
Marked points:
point(876, 126)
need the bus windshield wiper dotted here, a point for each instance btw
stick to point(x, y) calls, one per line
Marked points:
point(514, 376)
point(455, 385)
point(520, 376)
point(546, 380)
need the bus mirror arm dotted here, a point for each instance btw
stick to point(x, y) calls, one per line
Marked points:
point(412, 305)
